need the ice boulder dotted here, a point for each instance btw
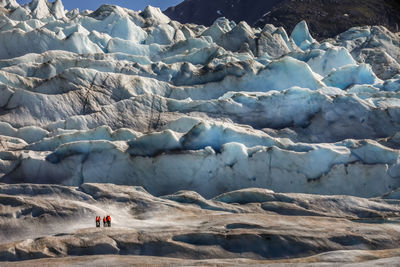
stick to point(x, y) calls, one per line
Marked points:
point(273, 45)
point(20, 14)
point(99, 133)
point(331, 59)
point(350, 75)
point(235, 39)
point(219, 27)
point(383, 64)
point(216, 135)
point(83, 148)
point(29, 134)
point(150, 145)
point(393, 84)
point(288, 72)
point(164, 35)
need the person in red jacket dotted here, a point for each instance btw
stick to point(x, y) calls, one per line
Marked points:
point(108, 218)
point(104, 221)
point(97, 221)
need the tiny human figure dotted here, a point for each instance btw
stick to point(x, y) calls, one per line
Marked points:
point(97, 221)
point(104, 221)
point(108, 218)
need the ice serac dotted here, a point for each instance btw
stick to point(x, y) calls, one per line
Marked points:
point(333, 58)
point(274, 42)
point(301, 36)
point(39, 9)
point(57, 9)
point(10, 4)
point(134, 98)
point(155, 14)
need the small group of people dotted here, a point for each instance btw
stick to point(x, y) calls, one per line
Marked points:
point(106, 221)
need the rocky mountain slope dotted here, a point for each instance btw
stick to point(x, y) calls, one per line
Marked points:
point(326, 18)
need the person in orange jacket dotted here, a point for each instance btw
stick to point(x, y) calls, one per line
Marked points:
point(97, 221)
point(108, 218)
point(104, 221)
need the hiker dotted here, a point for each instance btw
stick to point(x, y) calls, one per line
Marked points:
point(108, 218)
point(104, 221)
point(97, 221)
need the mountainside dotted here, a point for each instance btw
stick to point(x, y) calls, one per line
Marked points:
point(326, 18)
point(206, 12)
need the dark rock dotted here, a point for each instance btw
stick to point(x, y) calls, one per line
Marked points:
point(325, 18)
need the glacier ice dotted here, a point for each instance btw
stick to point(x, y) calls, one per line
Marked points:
point(350, 75)
point(301, 36)
point(331, 58)
point(134, 98)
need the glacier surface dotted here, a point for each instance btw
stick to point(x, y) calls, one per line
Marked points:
point(134, 98)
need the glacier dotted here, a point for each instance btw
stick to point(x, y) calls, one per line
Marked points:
point(242, 228)
point(134, 98)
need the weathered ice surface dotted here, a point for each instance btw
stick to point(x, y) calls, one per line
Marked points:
point(134, 98)
point(251, 226)
point(220, 145)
